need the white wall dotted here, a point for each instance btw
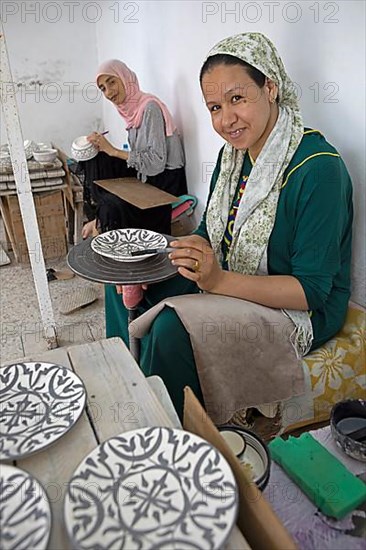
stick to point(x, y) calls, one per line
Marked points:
point(322, 44)
point(323, 47)
point(53, 54)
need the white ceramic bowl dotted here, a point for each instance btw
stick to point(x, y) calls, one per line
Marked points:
point(81, 149)
point(83, 155)
point(46, 155)
point(43, 146)
point(81, 143)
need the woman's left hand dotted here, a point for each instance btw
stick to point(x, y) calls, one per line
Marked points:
point(101, 143)
point(196, 261)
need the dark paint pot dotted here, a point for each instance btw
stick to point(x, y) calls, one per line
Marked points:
point(252, 453)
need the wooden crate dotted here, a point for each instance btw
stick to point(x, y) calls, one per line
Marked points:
point(51, 221)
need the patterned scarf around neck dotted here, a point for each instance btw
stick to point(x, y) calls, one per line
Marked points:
point(257, 211)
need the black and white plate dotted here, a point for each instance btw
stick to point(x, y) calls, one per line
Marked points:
point(152, 488)
point(25, 511)
point(39, 403)
point(119, 243)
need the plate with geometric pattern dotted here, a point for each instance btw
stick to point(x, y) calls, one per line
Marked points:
point(152, 488)
point(25, 511)
point(39, 403)
point(119, 243)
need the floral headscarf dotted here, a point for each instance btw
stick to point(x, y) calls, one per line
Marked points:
point(257, 211)
point(133, 107)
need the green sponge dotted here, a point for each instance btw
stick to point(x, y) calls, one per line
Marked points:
point(331, 487)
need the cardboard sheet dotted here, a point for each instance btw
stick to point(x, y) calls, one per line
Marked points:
point(257, 521)
point(139, 194)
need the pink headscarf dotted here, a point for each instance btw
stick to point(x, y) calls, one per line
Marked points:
point(133, 107)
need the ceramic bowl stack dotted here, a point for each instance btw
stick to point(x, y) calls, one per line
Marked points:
point(5, 161)
point(29, 148)
point(82, 150)
point(45, 155)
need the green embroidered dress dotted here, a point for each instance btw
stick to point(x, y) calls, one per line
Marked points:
point(311, 240)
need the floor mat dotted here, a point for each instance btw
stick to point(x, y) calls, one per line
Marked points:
point(77, 299)
point(59, 275)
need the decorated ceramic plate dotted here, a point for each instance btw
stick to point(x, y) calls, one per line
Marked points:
point(25, 511)
point(39, 403)
point(119, 243)
point(152, 488)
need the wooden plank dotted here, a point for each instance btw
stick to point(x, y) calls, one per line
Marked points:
point(68, 190)
point(159, 388)
point(5, 214)
point(121, 398)
point(54, 466)
point(117, 379)
point(11, 121)
point(137, 193)
point(236, 541)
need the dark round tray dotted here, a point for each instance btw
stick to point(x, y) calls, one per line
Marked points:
point(92, 266)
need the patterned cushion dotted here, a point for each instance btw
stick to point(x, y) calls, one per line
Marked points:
point(336, 371)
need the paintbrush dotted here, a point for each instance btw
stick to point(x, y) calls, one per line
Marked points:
point(152, 251)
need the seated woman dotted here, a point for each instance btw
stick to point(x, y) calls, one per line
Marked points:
point(156, 154)
point(266, 277)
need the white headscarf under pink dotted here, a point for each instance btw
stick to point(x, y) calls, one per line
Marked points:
point(133, 107)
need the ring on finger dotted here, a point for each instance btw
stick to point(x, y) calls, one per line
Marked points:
point(196, 266)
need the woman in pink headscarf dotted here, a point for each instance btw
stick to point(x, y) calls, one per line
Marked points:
point(156, 154)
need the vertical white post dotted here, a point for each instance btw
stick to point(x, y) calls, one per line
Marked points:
point(24, 191)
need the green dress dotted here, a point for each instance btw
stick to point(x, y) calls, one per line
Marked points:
point(311, 240)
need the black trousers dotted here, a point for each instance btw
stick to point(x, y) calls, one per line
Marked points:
point(114, 213)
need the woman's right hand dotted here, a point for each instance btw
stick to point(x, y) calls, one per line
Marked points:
point(89, 229)
point(101, 143)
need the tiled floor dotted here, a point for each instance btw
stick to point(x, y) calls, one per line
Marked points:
point(21, 330)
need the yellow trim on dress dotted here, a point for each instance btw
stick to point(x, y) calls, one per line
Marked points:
point(305, 160)
point(251, 159)
point(311, 131)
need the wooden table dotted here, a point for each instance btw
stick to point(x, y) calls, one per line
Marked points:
point(119, 399)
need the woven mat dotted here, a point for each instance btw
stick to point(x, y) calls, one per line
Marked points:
point(77, 299)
